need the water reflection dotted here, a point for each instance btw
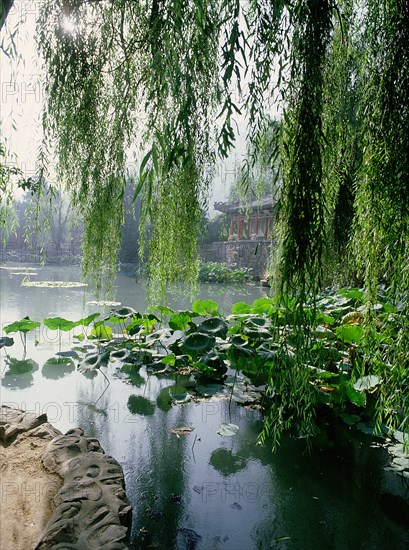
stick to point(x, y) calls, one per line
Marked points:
point(18, 372)
point(57, 367)
point(200, 490)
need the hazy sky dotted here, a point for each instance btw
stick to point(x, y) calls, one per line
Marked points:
point(21, 100)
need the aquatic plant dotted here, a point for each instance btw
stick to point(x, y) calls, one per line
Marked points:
point(215, 272)
point(338, 369)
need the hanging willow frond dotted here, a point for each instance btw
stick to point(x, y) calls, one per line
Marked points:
point(302, 218)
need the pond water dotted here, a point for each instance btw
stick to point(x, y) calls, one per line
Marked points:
point(202, 490)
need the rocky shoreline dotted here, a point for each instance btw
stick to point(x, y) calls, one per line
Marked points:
point(58, 491)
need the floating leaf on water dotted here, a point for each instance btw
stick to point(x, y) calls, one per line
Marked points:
point(367, 382)
point(180, 398)
point(402, 463)
point(366, 427)
point(6, 341)
point(119, 354)
point(182, 430)
point(352, 293)
point(228, 430)
point(402, 437)
point(399, 451)
point(103, 303)
point(54, 284)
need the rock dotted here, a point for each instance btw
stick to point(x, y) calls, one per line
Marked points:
point(14, 422)
point(92, 509)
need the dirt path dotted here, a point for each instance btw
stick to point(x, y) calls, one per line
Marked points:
point(26, 492)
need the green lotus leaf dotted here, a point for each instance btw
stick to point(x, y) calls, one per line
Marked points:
point(5, 341)
point(215, 326)
point(350, 334)
point(24, 325)
point(102, 332)
point(59, 323)
point(94, 361)
point(180, 321)
point(352, 293)
point(205, 307)
point(255, 322)
point(263, 305)
point(240, 308)
point(169, 359)
point(119, 355)
point(198, 343)
point(163, 310)
point(86, 321)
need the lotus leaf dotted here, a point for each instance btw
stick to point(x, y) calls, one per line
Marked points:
point(5, 341)
point(205, 307)
point(228, 430)
point(198, 343)
point(58, 323)
point(94, 361)
point(367, 382)
point(263, 305)
point(101, 332)
point(180, 321)
point(215, 326)
point(25, 325)
point(350, 334)
point(240, 308)
point(86, 321)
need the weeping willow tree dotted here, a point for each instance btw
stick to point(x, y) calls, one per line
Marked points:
point(150, 81)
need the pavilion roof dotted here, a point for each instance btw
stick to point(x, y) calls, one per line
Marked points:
point(258, 205)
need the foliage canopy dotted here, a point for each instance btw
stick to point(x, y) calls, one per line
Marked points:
point(152, 83)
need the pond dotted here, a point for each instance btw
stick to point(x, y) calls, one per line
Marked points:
point(200, 489)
